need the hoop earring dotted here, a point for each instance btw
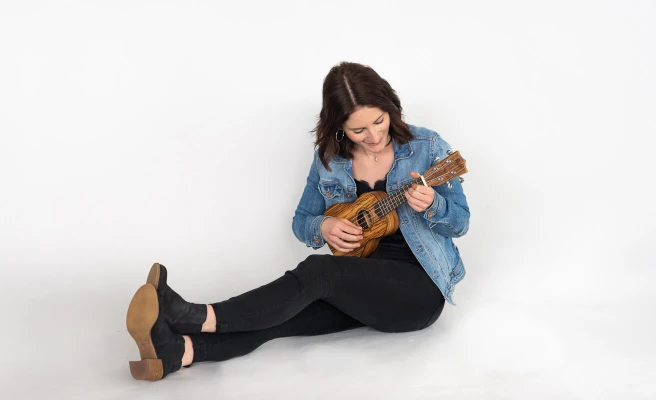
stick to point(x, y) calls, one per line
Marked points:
point(340, 137)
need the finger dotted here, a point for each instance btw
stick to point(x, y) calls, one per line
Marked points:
point(343, 250)
point(415, 204)
point(331, 241)
point(345, 245)
point(418, 190)
point(424, 198)
point(347, 237)
point(340, 248)
point(410, 200)
point(350, 227)
point(419, 194)
point(348, 244)
point(354, 225)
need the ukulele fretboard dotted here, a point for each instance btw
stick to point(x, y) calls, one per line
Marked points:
point(389, 203)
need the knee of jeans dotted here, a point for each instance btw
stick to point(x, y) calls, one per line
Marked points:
point(436, 314)
point(308, 270)
point(315, 259)
point(312, 264)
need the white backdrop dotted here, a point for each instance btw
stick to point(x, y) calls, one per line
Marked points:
point(134, 132)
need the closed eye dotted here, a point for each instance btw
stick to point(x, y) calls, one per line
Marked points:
point(377, 123)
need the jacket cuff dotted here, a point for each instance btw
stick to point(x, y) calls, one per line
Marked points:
point(432, 213)
point(315, 239)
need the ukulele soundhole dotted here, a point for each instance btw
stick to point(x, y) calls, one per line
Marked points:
point(365, 219)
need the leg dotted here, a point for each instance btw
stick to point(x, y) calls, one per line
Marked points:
point(387, 295)
point(188, 355)
point(316, 319)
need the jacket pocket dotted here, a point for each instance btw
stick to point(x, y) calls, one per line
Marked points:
point(331, 190)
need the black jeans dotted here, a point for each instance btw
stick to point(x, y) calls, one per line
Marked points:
point(323, 294)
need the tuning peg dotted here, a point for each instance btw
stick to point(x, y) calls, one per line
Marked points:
point(462, 179)
point(448, 184)
point(449, 152)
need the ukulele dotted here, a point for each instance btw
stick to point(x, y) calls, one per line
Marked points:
point(376, 213)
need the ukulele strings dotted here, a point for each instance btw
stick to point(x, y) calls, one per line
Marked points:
point(360, 220)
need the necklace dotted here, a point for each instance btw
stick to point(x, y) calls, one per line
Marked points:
point(376, 154)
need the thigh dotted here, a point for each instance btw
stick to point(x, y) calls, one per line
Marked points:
point(387, 295)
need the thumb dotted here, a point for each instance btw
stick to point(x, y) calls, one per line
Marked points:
point(414, 174)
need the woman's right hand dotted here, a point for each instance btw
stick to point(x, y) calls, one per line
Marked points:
point(342, 234)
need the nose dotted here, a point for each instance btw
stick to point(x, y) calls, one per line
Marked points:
point(374, 136)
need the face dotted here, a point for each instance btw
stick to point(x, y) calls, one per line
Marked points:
point(368, 127)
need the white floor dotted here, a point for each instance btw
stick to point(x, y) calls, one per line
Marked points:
point(71, 343)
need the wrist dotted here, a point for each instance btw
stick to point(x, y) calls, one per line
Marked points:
point(321, 224)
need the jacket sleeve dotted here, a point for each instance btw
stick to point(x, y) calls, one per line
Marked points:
point(309, 212)
point(449, 214)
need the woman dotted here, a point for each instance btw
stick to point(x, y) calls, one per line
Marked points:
point(362, 145)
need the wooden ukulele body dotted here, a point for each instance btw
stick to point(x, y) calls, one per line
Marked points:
point(373, 226)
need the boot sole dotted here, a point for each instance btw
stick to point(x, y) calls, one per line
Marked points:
point(153, 275)
point(142, 315)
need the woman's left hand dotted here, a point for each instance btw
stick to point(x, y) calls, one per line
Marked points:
point(419, 197)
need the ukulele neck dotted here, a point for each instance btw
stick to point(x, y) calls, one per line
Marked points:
point(451, 167)
point(389, 203)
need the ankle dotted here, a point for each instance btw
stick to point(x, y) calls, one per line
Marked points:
point(188, 355)
point(210, 322)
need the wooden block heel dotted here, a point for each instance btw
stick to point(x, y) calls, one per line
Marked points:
point(142, 315)
point(147, 370)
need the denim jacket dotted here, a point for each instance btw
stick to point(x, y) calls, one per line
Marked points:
point(429, 234)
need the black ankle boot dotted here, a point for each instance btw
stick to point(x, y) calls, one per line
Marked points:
point(181, 316)
point(161, 350)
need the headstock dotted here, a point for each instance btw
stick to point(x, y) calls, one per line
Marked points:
point(451, 167)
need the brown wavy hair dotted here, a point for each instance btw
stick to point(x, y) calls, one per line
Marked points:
point(347, 87)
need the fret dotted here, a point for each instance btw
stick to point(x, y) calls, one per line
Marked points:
point(378, 209)
point(392, 201)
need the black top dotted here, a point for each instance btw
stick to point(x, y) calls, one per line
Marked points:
point(394, 246)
